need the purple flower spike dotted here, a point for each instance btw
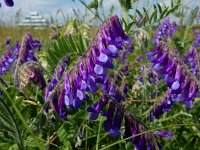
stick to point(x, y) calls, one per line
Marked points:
point(8, 58)
point(162, 107)
point(192, 59)
point(117, 120)
point(62, 106)
point(165, 31)
point(181, 87)
point(141, 142)
point(114, 119)
point(96, 108)
point(58, 100)
point(114, 93)
point(91, 74)
point(118, 31)
point(176, 84)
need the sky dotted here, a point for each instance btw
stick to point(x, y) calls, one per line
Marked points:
point(49, 8)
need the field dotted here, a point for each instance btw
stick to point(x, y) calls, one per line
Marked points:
point(128, 82)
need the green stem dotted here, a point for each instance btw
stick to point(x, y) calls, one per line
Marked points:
point(86, 137)
point(48, 132)
point(98, 134)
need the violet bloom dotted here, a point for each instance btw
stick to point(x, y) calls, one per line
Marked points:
point(25, 54)
point(192, 59)
point(91, 73)
point(143, 141)
point(8, 3)
point(114, 119)
point(58, 73)
point(8, 58)
point(97, 107)
point(182, 87)
point(165, 31)
point(27, 50)
point(161, 107)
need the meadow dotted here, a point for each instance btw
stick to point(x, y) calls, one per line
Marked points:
point(125, 82)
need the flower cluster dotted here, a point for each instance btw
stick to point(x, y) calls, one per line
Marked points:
point(163, 106)
point(92, 72)
point(27, 49)
point(8, 3)
point(8, 58)
point(182, 86)
point(192, 59)
point(165, 31)
point(90, 75)
point(142, 141)
point(24, 54)
point(58, 74)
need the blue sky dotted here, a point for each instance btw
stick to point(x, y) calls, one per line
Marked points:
point(49, 8)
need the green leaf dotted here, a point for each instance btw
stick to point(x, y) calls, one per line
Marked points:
point(146, 13)
point(139, 13)
point(129, 26)
point(31, 143)
point(132, 17)
point(159, 8)
point(67, 132)
point(172, 3)
point(143, 21)
point(163, 13)
point(152, 16)
point(172, 10)
point(71, 45)
point(9, 124)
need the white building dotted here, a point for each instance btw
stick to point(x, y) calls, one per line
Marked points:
point(34, 20)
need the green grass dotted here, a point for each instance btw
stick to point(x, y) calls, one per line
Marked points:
point(16, 33)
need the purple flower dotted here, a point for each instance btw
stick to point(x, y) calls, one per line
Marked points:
point(8, 58)
point(165, 31)
point(91, 74)
point(8, 3)
point(57, 106)
point(192, 59)
point(114, 116)
point(97, 107)
point(141, 142)
point(181, 86)
point(161, 107)
point(26, 51)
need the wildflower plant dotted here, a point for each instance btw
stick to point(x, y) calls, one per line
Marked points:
point(119, 92)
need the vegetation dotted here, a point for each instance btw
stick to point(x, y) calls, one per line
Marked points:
point(115, 83)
